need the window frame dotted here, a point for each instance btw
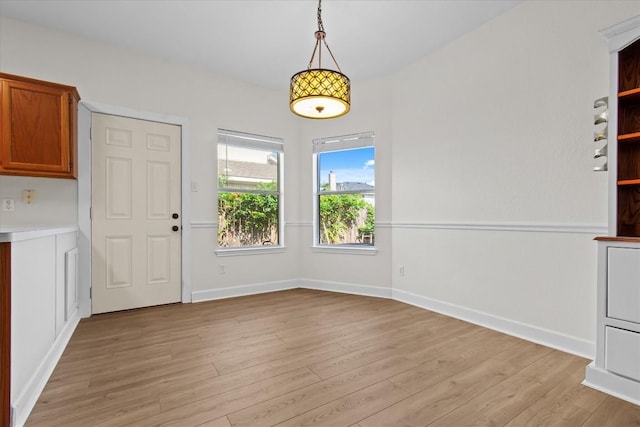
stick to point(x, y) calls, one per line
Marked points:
point(255, 142)
point(332, 144)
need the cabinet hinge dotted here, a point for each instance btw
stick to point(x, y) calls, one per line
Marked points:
point(69, 98)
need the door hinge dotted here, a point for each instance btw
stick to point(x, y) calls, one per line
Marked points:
point(90, 213)
point(90, 293)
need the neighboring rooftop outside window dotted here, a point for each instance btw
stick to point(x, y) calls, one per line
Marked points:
point(249, 183)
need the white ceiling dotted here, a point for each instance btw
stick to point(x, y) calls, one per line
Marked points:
point(264, 42)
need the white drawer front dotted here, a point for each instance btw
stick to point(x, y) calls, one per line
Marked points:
point(622, 352)
point(623, 284)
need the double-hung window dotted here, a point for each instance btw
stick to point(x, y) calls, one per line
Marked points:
point(344, 190)
point(249, 190)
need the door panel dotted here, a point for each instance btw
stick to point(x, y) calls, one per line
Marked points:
point(136, 255)
point(118, 186)
point(158, 259)
point(158, 196)
point(118, 261)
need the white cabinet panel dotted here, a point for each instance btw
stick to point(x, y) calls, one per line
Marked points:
point(623, 283)
point(33, 310)
point(622, 352)
point(65, 242)
point(71, 282)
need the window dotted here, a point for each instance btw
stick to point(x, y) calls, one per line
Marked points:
point(345, 190)
point(249, 190)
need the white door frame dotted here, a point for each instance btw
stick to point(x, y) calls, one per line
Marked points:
point(85, 109)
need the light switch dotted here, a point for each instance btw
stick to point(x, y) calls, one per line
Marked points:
point(28, 196)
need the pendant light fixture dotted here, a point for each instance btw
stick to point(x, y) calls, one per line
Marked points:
point(320, 93)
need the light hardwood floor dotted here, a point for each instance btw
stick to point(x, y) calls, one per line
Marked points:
point(304, 357)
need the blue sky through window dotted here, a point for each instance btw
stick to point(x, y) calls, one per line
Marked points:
point(356, 165)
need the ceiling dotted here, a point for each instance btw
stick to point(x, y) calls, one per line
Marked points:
point(264, 42)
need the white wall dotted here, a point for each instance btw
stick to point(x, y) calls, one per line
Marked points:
point(112, 76)
point(492, 140)
point(370, 111)
point(108, 75)
point(55, 201)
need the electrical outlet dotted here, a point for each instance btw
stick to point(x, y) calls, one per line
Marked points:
point(221, 269)
point(28, 196)
point(8, 205)
point(194, 186)
point(402, 271)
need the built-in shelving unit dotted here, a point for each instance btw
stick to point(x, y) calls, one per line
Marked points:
point(616, 368)
point(628, 181)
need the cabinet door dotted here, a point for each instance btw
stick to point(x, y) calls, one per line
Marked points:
point(623, 284)
point(622, 352)
point(36, 136)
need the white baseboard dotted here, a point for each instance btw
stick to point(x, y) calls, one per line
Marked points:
point(238, 291)
point(24, 403)
point(260, 288)
point(346, 288)
point(542, 336)
point(610, 383)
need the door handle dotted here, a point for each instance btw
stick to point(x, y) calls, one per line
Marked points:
point(175, 228)
point(175, 216)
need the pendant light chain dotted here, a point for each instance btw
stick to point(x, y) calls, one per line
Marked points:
point(320, 25)
point(320, 36)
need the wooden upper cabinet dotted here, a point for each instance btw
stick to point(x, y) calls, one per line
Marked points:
point(38, 128)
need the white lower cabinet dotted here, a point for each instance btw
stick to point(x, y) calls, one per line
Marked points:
point(44, 313)
point(616, 368)
point(622, 352)
point(623, 284)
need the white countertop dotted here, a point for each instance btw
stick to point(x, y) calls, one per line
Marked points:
point(26, 232)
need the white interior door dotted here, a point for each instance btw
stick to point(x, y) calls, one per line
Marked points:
point(135, 210)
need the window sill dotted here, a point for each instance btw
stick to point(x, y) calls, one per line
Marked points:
point(350, 250)
point(250, 251)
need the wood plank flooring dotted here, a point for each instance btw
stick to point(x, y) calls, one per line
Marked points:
point(305, 358)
